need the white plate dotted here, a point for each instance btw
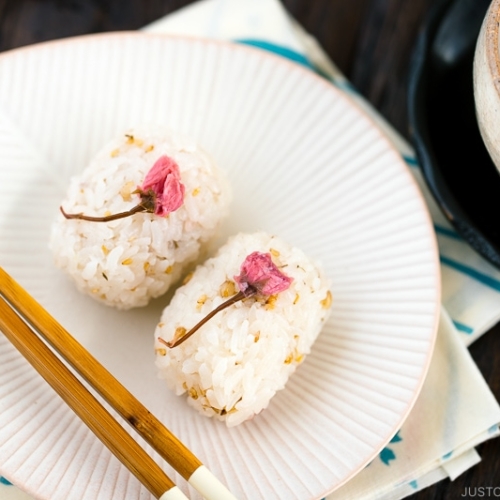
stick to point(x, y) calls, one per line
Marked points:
point(306, 164)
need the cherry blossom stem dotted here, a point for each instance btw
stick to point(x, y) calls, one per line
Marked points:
point(137, 209)
point(235, 298)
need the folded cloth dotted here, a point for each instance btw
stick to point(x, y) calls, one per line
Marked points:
point(455, 410)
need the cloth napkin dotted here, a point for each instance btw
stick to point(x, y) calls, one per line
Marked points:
point(455, 411)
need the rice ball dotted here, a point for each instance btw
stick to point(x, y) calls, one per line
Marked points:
point(126, 262)
point(236, 362)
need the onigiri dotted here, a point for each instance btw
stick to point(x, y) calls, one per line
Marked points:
point(233, 365)
point(138, 215)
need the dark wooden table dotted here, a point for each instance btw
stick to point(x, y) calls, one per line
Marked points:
point(370, 40)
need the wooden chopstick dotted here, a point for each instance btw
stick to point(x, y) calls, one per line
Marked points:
point(86, 406)
point(119, 398)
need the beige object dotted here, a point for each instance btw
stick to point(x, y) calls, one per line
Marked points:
point(487, 81)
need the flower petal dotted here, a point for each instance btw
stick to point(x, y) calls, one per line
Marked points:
point(259, 273)
point(164, 180)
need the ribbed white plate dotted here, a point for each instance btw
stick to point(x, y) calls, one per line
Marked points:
point(306, 164)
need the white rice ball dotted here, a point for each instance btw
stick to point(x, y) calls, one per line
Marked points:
point(126, 262)
point(234, 364)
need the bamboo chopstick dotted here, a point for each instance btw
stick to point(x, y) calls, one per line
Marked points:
point(86, 406)
point(143, 421)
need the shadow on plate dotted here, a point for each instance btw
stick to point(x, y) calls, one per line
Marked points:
point(443, 126)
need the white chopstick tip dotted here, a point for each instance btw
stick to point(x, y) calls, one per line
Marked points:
point(208, 485)
point(173, 494)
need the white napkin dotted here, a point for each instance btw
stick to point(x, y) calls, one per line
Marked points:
point(455, 410)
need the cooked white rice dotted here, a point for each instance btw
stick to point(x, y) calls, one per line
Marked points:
point(235, 363)
point(125, 263)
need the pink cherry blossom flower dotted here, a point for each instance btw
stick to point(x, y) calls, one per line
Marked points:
point(259, 274)
point(164, 180)
point(161, 193)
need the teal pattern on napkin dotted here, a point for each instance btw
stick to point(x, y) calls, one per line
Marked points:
point(285, 52)
point(387, 454)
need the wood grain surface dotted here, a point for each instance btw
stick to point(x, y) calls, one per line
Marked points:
point(370, 40)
